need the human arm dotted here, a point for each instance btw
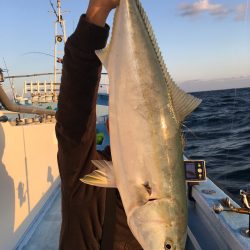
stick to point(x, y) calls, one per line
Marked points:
point(98, 11)
point(76, 115)
point(81, 68)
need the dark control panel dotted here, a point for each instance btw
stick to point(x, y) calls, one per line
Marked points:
point(195, 170)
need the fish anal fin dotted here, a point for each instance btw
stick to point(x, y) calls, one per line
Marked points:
point(102, 177)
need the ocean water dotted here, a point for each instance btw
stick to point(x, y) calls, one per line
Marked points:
point(218, 131)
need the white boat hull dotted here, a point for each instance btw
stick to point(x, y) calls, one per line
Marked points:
point(28, 176)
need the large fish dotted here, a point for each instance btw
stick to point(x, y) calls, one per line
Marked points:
point(146, 110)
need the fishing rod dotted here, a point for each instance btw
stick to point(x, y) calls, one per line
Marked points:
point(37, 52)
point(31, 75)
point(235, 106)
point(11, 82)
point(59, 59)
point(39, 74)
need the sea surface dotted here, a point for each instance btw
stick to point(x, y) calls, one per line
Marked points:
point(218, 131)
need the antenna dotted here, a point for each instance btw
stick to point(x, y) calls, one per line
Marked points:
point(60, 36)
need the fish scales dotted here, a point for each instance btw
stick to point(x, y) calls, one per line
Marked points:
point(146, 109)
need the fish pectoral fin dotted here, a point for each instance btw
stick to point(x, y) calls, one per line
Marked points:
point(105, 166)
point(99, 179)
point(184, 103)
point(102, 177)
point(103, 55)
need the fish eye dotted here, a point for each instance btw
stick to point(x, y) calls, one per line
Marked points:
point(168, 246)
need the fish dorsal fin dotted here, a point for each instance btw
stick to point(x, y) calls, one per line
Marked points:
point(183, 103)
point(153, 41)
point(102, 177)
point(103, 55)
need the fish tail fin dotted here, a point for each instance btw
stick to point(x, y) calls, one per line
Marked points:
point(103, 55)
point(183, 103)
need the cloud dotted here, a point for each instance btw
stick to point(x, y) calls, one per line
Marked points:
point(241, 11)
point(203, 6)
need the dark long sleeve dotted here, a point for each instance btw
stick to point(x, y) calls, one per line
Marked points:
point(81, 73)
point(83, 206)
point(76, 115)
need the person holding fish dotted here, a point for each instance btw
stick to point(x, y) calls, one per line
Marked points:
point(85, 215)
point(147, 164)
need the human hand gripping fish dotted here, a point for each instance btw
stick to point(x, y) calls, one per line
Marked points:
point(98, 10)
point(146, 110)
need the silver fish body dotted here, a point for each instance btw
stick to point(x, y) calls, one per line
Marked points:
point(146, 109)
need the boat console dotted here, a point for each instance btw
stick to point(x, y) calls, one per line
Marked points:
point(195, 170)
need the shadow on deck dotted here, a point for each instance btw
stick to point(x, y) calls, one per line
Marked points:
point(46, 235)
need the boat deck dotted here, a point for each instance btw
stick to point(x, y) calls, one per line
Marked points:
point(203, 231)
point(46, 235)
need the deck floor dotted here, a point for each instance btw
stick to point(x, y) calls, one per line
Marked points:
point(47, 233)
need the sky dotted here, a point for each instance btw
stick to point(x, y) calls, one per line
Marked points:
point(202, 41)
